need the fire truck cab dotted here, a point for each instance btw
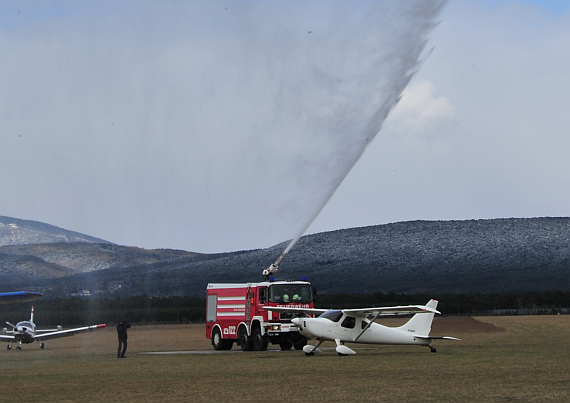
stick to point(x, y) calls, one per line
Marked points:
point(235, 312)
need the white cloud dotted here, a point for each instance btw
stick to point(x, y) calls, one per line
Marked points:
point(420, 111)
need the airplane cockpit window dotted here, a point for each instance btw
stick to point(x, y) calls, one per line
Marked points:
point(290, 293)
point(332, 315)
point(349, 322)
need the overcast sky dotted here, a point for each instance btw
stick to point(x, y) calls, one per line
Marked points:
point(222, 126)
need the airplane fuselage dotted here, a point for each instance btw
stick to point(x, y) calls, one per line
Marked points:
point(348, 329)
point(24, 332)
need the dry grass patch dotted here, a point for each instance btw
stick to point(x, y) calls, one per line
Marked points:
point(498, 359)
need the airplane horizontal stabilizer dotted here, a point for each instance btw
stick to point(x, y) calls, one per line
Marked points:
point(436, 337)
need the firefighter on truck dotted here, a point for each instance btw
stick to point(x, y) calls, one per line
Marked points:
point(235, 313)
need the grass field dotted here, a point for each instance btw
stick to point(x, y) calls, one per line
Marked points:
point(499, 359)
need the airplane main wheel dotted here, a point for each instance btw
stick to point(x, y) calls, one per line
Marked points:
point(9, 347)
point(433, 350)
point(42, 346)
point(19, 348)
point(309, 354)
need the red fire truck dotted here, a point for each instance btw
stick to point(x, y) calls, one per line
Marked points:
point(235, 313)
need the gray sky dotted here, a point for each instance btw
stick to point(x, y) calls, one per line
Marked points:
point(224, 126)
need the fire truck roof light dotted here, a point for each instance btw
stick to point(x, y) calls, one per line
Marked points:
point(271, 278)
point(304, 278)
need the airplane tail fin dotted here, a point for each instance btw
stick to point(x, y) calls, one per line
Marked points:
point(420, 323)
point(32, 315)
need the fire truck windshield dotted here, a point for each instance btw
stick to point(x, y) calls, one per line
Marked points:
point(290, 293)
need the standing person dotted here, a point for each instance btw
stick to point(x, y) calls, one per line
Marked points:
point(122, 333)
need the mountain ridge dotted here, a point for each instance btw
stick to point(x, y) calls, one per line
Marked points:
point(470, 256)
point(16, 231)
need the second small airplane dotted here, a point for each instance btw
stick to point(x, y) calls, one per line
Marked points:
point(25, 332)
point(358, 326)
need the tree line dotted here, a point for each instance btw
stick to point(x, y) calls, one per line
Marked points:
point(77, 311)
point(453, 304)
point(142, 309)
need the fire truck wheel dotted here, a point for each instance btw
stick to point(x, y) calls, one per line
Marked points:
point(299, 346)
point(259, 344)
point(244, 340)
point(219, 343)
point(285, 345)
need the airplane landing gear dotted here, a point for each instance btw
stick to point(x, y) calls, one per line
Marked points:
point(311, 350)
point(433, 350)
point(19, 348)
point(42, 346)
point(9, 347)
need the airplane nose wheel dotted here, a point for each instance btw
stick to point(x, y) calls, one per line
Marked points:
point(19, 348)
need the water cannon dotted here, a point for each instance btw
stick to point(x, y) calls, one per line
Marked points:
point(274, 268)
point(269, 271)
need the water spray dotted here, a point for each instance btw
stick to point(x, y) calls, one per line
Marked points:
point(271, 270)
point(354, 127)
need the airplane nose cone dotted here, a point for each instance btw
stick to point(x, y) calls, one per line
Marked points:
point(297, 321)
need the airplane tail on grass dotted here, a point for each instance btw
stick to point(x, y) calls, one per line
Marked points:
point(420, 323)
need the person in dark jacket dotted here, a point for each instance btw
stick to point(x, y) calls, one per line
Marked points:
point(122, 333)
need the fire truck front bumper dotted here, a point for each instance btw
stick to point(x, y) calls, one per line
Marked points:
point(274, 329)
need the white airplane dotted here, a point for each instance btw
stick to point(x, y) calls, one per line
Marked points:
point(25, 332)
point(358, 326)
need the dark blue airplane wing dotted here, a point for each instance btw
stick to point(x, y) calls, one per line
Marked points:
point(19, 296)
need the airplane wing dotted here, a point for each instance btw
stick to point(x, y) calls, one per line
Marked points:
point(310, 311)
point(390, 310)
point(6, 338)
point(19, 296)
point(65, 333)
